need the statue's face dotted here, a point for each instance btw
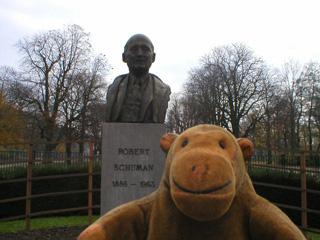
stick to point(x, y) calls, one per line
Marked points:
point(139, 54)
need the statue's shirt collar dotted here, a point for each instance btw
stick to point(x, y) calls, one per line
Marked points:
point(142, 81)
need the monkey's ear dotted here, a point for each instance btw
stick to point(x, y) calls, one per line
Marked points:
point(167, 140)
point(247, 147)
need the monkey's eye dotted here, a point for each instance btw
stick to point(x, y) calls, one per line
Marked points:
point(222, 145)
point(184, 143)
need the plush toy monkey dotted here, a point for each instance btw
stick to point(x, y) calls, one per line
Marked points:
point(205, 194)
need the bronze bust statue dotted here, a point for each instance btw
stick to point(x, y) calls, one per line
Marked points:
point(138, 97)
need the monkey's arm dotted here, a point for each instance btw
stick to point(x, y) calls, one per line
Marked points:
point(268, 222)
point(124, 222)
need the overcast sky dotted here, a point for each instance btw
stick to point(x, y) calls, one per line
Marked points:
point(181, 31)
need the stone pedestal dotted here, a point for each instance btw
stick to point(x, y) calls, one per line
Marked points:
point(132, 162)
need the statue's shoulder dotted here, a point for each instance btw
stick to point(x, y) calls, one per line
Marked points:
point(159, 81)
point(117, 81)
point(156, 77)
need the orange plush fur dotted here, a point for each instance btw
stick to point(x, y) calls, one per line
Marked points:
point(205, 193)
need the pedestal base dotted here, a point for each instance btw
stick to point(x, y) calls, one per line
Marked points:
point(132, 162)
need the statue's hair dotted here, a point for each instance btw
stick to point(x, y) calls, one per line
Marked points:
point(138, 35)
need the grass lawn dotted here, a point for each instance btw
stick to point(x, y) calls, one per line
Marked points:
point(313, 236)
point(52, 222)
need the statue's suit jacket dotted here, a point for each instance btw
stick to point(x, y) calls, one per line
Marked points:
point(155, 99)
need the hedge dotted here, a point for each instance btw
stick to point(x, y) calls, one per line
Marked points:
point(288, 197)
point(11, 190)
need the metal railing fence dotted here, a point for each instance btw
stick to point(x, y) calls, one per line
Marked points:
point(30, 159)
point(303, 163)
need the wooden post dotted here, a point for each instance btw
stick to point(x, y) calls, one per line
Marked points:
point(304, 193)
point(29, 186)
point(90, 183)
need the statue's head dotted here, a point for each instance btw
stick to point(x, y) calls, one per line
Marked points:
point(139, 54)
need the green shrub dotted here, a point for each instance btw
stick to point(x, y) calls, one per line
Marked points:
point(12, 190)
point(13, 173)
point(286, 196)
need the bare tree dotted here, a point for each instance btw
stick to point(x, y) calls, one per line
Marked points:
point(51, 61)
point(226, 89)
point(316, 115)
point(182, 113)
point(291, 77)
point(266, 127)
point(311, 89)
point(86, 89)
point(241, 74)
point(6, 74)
point(203, 89)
